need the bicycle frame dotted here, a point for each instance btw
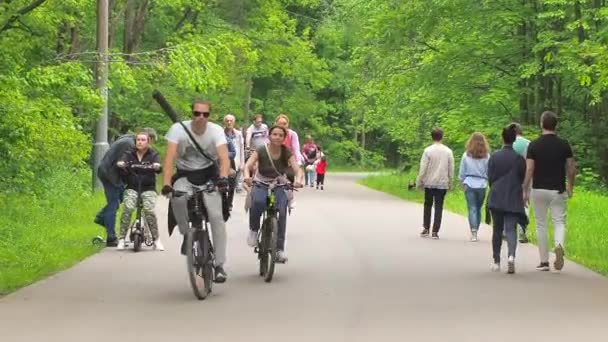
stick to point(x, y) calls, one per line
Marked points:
point(141, 227)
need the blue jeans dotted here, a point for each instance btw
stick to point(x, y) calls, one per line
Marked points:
point(474, 199)
point(108, 213)
point(259, 202)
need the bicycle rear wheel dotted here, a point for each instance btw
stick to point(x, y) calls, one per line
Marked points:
point(198, 270)
point(273, 235)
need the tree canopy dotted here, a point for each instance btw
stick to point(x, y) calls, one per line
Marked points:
point(368, 79)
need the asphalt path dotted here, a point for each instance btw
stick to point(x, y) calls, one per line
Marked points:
point(358, 271)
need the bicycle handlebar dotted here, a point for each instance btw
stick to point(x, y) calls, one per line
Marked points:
point(131, 165)
point(287, 186)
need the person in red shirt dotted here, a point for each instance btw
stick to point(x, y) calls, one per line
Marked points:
point(321, 169)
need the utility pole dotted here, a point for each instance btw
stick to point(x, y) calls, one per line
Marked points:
point(101, 78)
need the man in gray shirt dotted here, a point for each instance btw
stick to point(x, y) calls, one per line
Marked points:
point(194, 170)
point(257, 134)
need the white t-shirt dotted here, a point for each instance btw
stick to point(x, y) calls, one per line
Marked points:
point(188, 157)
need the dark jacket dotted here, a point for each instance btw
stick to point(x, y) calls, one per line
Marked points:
point(107, 171)
point(148, 177)
point(506, 172)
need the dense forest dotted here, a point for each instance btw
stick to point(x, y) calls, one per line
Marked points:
point(368, 79)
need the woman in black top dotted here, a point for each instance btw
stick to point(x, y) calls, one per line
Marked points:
point(143, 155)
point(506, 171)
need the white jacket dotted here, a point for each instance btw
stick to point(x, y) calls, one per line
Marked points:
point(436, 167)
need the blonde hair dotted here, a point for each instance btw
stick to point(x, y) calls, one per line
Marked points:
point(282, 116)
point(477, 146)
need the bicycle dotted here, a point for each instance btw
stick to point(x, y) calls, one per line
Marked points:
point(200, 259)
point(269, 232)
point(139, 231)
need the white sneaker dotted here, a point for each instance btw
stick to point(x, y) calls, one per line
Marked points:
point(158, 245)
point(511, 265)
point(495, 267)
point(121, 245)
point(474, 237)
point(281, 257)
point(252, 238)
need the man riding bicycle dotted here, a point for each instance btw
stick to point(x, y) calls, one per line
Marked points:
point(194, 169)
point(273, 160)
point(141, 155)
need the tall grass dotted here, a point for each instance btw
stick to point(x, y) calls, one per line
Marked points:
point(47, 231)
point(586, 237)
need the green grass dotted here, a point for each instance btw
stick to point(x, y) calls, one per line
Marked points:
point(586, 238)
point(352, 168)
point(48, 233)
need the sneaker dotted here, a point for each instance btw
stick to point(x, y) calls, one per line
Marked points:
point(252, 238)
point(220, 275)
point(474, 236)
point(121, 245)
point(523, 239)
point(543, 266)
point(559, 258)
point(158, 245)
point(281, 257)
point(495, 267)
point(425, 233)
point(322, 187)
point(435, 236)
point(112, 242)
point(511, 265)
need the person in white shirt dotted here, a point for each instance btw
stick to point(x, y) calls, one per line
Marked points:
point(435, 176)
point(257, 134)
point(236, 138)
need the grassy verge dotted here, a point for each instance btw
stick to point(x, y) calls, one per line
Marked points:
point(586, 239)
point(351, 168)
point(44, 233)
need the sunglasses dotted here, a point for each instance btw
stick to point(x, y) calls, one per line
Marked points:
point(197, 114)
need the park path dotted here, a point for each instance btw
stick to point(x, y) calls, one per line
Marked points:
point(358, 271)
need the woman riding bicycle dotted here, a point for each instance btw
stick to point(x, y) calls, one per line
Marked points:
point(273, 161)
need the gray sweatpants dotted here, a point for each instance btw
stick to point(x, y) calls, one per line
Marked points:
point(213, 202)
point(543, 201)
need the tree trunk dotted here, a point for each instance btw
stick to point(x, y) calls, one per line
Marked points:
point(135, 19)
point(247, 102)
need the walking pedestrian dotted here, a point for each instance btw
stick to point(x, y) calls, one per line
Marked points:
point(506, 171)
point(550, 160)
point(521, 147)
point(474, 178)
point(435, 176)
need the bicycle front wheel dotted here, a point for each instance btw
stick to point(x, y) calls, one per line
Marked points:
point(195, 264)
point(137, 237)
point(273, 235)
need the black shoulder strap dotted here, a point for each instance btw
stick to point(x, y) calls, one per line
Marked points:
point(196, 145)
